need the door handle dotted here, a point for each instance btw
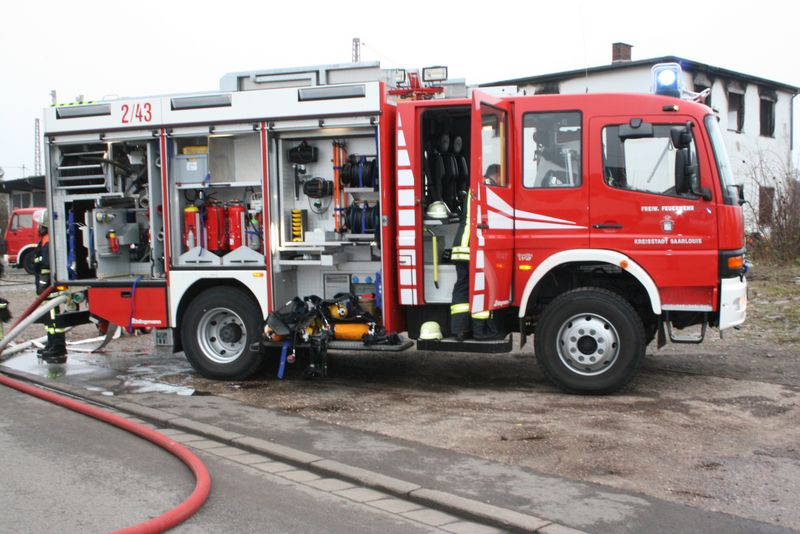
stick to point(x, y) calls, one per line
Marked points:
point(607, 226)
point(483, 226)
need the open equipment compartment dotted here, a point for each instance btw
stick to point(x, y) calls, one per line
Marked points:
point(327, 236)
point(216, 185)
point(106, 202)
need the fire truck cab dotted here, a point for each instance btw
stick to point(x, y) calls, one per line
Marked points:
point(597, 222)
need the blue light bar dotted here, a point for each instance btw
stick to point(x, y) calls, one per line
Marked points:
point(666, 79)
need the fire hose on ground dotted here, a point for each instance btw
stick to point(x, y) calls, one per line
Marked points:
point(169, 519)
point(165, 521)
point(29, 317)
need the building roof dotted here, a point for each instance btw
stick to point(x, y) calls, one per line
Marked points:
point(687, 64)
point(22, 185)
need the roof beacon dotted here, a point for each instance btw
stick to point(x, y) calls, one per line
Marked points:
point(666, 79)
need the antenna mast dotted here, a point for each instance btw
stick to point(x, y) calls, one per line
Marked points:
point(37, 151)
point(356, 50)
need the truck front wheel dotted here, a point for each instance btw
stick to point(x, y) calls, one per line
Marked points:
point(590, 341)
point(220, 328)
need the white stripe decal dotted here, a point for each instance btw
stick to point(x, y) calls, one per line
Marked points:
point(405, 197)
point(405, 177)
point(406, 217)
point(402, 158)
point(477, 304)
point(479, 259)
point(497, 221)
point(408, 277)
point(401, 139)
point(537, 225)
point(520, 214)
point(479, 281)
point(494, 201)
point(408, 257)
point(408, 296)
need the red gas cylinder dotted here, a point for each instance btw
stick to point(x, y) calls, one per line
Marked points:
point(191, 224)
point(215, 228)
point(234, 216)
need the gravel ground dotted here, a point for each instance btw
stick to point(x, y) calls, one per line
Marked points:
point(714, 426)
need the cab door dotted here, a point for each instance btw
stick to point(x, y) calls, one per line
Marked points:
point(491, 204)
point(637, 207)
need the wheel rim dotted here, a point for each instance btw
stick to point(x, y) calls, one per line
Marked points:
point(222, 335)
point(588, 344)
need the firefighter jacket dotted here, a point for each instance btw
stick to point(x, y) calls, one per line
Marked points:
point(41, 264)
point(460, 252)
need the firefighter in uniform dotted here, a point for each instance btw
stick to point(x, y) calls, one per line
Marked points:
point(55, 351)
point(479, 325)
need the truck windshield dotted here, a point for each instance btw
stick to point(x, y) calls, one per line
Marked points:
point(729, 191)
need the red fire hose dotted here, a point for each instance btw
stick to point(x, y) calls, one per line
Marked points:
point(169, 519)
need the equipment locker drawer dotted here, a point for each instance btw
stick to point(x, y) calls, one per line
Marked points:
point(144, 307)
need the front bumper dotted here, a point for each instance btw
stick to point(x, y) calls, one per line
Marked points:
point(733, 302)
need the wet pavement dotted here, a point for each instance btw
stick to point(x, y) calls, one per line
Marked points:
point(109, 374)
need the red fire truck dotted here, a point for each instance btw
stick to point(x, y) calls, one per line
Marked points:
point(609, 220)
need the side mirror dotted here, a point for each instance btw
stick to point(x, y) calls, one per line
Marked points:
point(687, 181)
point(740, 190)
point(681, 137)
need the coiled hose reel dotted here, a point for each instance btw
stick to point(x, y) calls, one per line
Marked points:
point(360, 171)
point(363, 219)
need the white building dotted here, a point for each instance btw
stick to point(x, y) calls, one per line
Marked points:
point(756, 114)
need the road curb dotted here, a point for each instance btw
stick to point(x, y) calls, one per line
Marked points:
point(447, 502)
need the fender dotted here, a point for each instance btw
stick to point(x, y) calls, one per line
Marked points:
point(591, 255)
point(181, 282)
point(22, 252)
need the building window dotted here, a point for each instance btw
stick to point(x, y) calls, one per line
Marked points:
point(698, 88)
point(39, 199)
point(766, 204)
point(20, 200)
point(735, 112)
point(767, 117)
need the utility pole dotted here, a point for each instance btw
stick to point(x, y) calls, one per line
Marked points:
point(37, 151)
point(53, 98)
point(356, 50)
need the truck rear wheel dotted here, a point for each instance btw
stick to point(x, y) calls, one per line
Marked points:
point(220, 328)
point(26, 262)
point(590, 341)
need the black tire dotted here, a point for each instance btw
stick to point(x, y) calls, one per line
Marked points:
point(27, 262)
point(590, 341)
point(219, 329)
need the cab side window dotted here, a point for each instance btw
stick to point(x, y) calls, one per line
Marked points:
point(551, 149)
point(21, 220)
point(645, 164)
point(494, 132)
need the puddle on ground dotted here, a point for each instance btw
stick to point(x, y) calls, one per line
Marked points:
point(108, 375)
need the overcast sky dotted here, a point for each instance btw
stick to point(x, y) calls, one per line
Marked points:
point(143, 47)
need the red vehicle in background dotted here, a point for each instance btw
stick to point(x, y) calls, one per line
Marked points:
point(21, 237)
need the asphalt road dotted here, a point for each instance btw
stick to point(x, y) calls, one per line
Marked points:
point(64, 472)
